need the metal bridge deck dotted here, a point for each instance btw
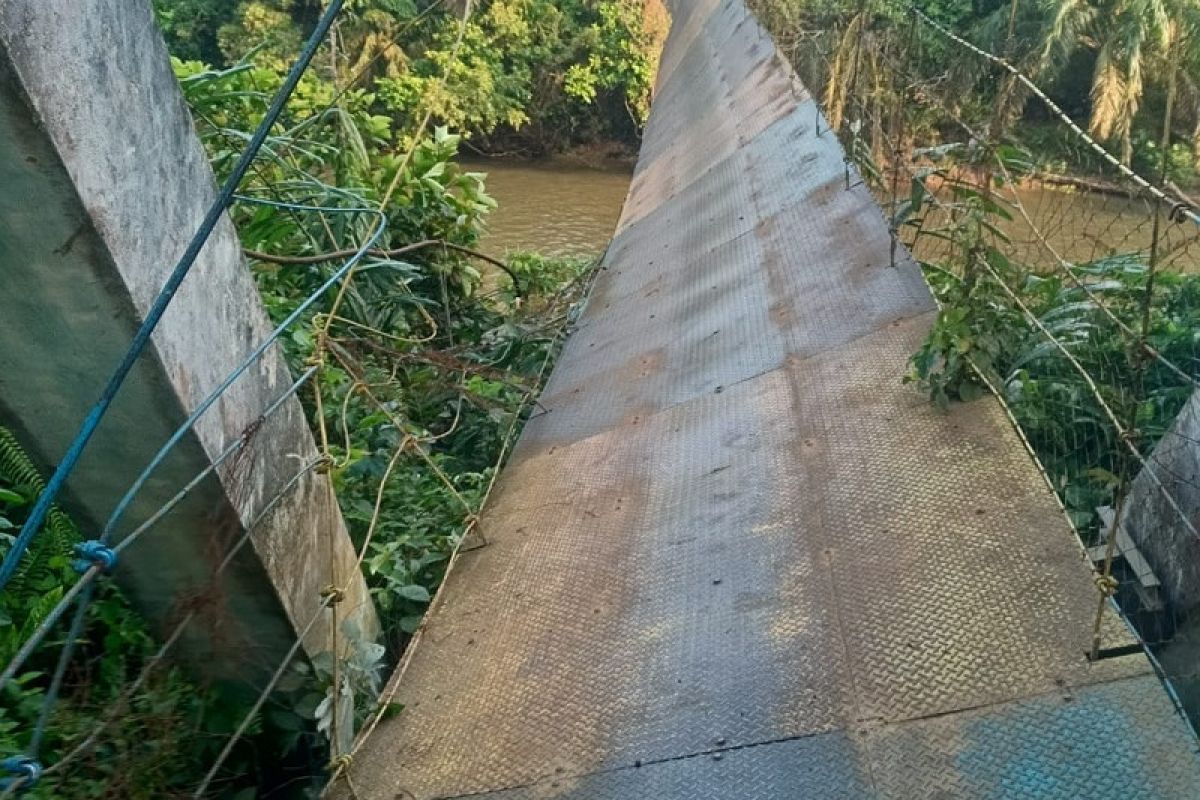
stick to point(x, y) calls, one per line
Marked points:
point(737, 557)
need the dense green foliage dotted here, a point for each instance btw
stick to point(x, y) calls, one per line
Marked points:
point(983, 337)
point(1109, 63)
point(520, 75)
point(154, 739)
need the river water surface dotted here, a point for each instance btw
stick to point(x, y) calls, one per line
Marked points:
point(553, 208)
point(562, 208)
point(1046, 224)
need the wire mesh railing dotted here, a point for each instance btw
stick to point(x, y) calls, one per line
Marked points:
point(1068, 280)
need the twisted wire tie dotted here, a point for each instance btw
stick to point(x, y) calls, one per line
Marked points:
point(1106, 584)
point(1179, 211)
point(333, 594)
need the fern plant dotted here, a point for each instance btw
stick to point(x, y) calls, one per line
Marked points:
point(49, 553)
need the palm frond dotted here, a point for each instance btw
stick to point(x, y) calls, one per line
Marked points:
point(1108, 94)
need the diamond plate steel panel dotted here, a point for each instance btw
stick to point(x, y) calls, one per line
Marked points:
point(822, 767)
point(643, 595)
point(956, 587)
point(744, 47)
point(658, 330)
point(687, 21)
point(715, 197)
point(735, 529)
point(679, 328)
point(694, 129)
point(674, 132)
point(1115, 741)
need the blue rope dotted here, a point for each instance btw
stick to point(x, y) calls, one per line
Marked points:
point(95, 556)
point(46, 625)
point(123, 505)
point(23, 773)
point(51, 619)
point(130, 691)
point(37, 514)
point(94, 553)
point(60, 670)
point(229, 450)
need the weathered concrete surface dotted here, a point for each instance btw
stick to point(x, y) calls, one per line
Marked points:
point(102, 183)
point(737, 557)
point(1160, 532)
point(1171, 548)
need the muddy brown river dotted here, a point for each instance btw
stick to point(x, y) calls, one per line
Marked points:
point(1078, 226)
point(562, 208)
point(553, 208)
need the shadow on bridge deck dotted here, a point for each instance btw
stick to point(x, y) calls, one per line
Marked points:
point(737, 558)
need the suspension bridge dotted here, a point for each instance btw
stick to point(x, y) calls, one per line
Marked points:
point(735, 557)
point(732, 556)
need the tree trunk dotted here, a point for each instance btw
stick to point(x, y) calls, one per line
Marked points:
point(1196, 139)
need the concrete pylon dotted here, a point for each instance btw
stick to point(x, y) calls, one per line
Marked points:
point(102, 183)
point(1170, 545)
